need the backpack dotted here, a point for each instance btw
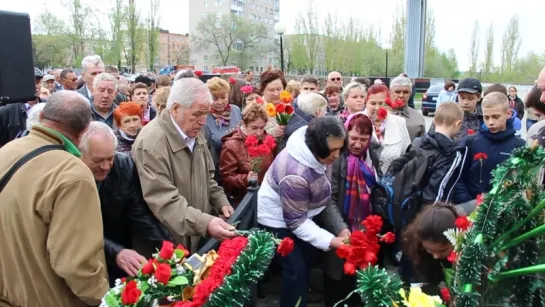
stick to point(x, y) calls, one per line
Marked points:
point(397, 197)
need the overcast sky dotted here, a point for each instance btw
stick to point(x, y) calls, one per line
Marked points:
point(453, 19)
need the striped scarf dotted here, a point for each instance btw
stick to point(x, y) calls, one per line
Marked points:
point(359, 180)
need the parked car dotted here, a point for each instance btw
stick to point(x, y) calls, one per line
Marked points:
point(429, 99)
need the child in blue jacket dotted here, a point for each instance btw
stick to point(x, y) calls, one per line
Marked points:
point(491, 146)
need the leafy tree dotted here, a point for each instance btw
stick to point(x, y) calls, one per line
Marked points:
point(510, 44)
point(79, 27)
point(153, 33)
point(50, 42)
point(117, 19)
point(474, 49)
point(309, 37)
point(135, 35)
point(488, 63)
point(250, 38)
point(217, 34)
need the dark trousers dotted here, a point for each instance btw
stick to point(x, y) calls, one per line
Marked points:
point(529, 123)
point(338, 290)
point(295, 269)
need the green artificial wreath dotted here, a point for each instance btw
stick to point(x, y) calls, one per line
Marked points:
point(501, 254)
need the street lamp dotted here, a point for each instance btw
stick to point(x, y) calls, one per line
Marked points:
point(280, 29)
point(386, 47)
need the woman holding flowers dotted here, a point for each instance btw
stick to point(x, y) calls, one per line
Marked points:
point(354, 174)
point(294, 194)
point(223, 117)
point(354, 95)
point(246, 153)
point(390, 132)
point(272, 84)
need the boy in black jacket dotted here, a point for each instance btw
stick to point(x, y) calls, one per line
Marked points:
point(491, 146)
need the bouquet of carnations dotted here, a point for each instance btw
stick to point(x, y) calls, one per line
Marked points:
point(224, 278)
point(257, 149)
point(363, 246)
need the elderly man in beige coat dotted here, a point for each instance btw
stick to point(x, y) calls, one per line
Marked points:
point(51, 250)
point(176, 169)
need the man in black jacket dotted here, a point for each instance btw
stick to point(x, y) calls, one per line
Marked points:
point(125, 215)
point(13, 116)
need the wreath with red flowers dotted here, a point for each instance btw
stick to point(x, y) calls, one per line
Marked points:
point(168, 277)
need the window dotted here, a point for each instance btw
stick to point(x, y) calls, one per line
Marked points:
point(218, 3)
point(205, 4)
point(218, 14)
point(239, 46)
point(205, 68)
point(217, 57)
point(206, 57)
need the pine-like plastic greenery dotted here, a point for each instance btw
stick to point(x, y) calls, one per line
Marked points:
point(378, 288)
point(247, 270)
point(503, 216)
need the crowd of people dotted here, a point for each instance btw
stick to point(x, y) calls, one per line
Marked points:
point(97, 175)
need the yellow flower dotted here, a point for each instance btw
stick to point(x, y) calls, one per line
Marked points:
point(417, 298)
point(271, 110)
point(285, 97)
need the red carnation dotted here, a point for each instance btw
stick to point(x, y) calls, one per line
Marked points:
point(270, 142)
point(259, 100)
point(343, 251)
point(452, 257)
point(388, 238)
point(285, 247)
point(232, 80)
point(373, 223)
point(480, 199)
point(349, 268)
point(462, 222)
point(445, 295)
point(247, 89)
point(163, 272)
point(357, 238)
point(166, 250)
point(470, 131)
point(251, 141)
point(289, 109)
point(399, 103)
point(131, 294)
point(182, 248)
point(480, 156)
point(280, 108)
point(198, 73)
point(382, 113)
point(148, 268)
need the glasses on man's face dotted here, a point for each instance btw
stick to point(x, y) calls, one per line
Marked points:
point(335, 79)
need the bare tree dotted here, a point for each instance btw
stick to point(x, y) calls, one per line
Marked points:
point(510, 44)
point(489, 51)
point(474, 49)
point(182, 56)
point(117, 17)
point(250, 40)
point(307, 25)
point(153, 32)
point(216, 34)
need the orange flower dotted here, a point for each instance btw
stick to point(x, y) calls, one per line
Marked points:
point(285, 96)
point(271, 110)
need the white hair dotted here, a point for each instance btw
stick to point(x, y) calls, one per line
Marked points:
point(401, 81)
point(184, 73)
point(97, 128)
point(377, 81)
point(105, 77)
point(91, 60)
point(34, 115)
point(186, 91)
point(351, 86)
point(311, 103)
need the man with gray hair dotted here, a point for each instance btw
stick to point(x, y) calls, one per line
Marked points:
point(125, 215)
point(400, 91)
point(51, 221)
point(310, 105)
point(176, 168)
point(103, 96)
point(185, 73)
point(92, 66)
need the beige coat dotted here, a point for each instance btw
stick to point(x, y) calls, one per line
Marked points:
point(50, 228)
point(178, 185)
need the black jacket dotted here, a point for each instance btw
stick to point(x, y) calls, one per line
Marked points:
point(297, 120)
point(445, 169)
point(125, 215)
point(518, 105)
point(12, 121)
point(472, 121)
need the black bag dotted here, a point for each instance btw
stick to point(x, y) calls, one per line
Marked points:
point(36, 152)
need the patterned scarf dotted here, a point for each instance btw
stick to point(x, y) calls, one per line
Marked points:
point(222, 117)
point(359, 180)
point(343, 115)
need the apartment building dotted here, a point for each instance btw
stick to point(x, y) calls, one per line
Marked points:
point(266, 12)
point(173, 49)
